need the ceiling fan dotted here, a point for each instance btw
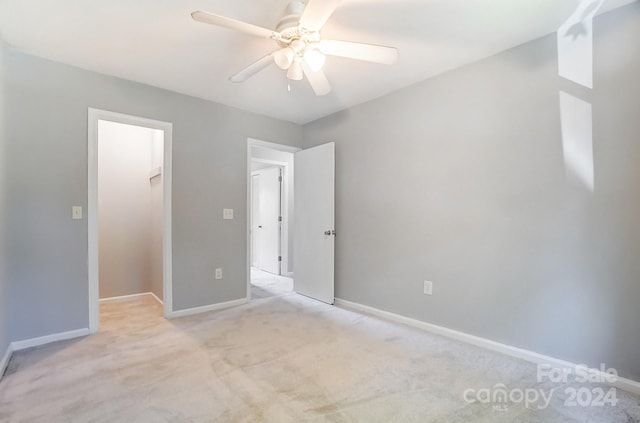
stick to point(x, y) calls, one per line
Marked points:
point(301, 51)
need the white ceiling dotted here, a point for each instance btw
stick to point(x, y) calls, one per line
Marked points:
point(157, 43)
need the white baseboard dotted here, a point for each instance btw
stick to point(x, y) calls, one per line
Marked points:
point(156, 298)
point(530, 356)
point(5, 360)
point(36, 342)
point(131, 297)
point(204, 309)
point(625, 384)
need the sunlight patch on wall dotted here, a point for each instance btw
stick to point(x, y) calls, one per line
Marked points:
point(575, 63)
point(575, 44)
point(577, 139)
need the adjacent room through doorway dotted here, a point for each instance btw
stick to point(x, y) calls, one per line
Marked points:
point(272, 184)
point(270, 222)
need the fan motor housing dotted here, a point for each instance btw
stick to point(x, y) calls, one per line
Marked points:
point(288, 25)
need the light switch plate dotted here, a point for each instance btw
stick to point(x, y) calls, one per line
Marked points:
point(428, 288)
point(227, 214)
point(76, 212)
point(218, 273)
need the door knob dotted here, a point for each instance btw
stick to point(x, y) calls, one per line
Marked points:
point(329, 233)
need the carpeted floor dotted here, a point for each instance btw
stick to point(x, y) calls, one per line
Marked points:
point(265, 285)
point(281, 359)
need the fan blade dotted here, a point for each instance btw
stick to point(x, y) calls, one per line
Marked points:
point(252, 69)
point(317, 80)
point(317, 13)
point(360, 51)
point(247, 28)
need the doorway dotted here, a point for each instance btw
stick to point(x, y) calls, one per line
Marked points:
point(129, 212)
point(270, 224)
point(266, 217)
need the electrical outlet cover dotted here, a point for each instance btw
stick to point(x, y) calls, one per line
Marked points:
point(76, 212)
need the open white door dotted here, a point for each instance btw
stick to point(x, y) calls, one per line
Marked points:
point(255, 220)
point(314, 236)
point(265, 219)
point(269, 226)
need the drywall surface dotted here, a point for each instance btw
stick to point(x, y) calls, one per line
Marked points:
point(4, 285)
point(463, 180)
point(46, 130)
point(124, 208)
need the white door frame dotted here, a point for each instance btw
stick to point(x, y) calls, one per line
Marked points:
point(251, 142)
point(95, 115)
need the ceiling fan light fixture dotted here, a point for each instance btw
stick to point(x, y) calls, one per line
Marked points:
point(284, 57)
point(298, 45)
point(301, 51)
point(314, 59)
point(295, 71)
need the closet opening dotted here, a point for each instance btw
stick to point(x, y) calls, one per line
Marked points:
point(129, 217)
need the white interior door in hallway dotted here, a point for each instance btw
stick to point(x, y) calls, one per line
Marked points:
point(266, 219)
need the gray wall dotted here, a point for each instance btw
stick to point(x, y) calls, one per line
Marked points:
point(47, 142)
point(461, 180)
point(4, 303)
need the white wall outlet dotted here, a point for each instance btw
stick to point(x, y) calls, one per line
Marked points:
point(428, 288)
point(227, 214)
point(76, 212)
point(219, 273)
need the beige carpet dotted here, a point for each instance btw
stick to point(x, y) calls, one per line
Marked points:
point(279, 359)
point(264, 284)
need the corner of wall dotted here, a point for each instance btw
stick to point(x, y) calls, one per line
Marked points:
point(4, 315)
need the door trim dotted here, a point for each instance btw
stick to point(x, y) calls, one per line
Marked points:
point(94, 115)
point(252, 142)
